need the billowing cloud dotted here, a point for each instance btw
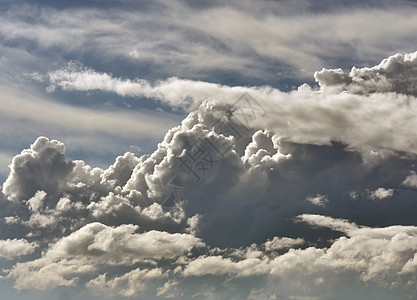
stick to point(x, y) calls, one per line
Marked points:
point(93, 246)
point(42, 167)
point(381, 193)
point(16, 248)
point(96, 239)
point(411, 180)
point(319, 200)
point(130, 284)
point(238, 192)
point(394, 74)
point(376, 255)
point(303, 116)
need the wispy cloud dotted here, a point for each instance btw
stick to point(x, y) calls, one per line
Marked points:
point(233, 37)
point(48, 113)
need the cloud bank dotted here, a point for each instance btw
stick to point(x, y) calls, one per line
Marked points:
point(255, 185)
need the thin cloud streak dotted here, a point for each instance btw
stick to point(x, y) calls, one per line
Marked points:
point(218, 43)
point(48, 113)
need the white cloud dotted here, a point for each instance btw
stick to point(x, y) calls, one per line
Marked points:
point(384, 256)
point(49, 113)
point(218, 265)
point(96, 245)
point(131, 283)
point(16, 247)
point(278, 243)
point(41, 220)
point(231, 37)
point(119, 173)
point(40, 168)
point(36, 202)
point(318, 200)
point(46, 274)
point(381, 193)
point(341, 225)
point(410, 180)
point(173, 91)
point(170, 289)
point(122, 243)
point(302, 116)
point(147, 240)
point(353, 195)
point(394, 74)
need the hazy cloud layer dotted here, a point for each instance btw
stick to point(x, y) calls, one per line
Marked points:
point(236, 37)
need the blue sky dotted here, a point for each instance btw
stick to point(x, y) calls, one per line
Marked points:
point(208, 150)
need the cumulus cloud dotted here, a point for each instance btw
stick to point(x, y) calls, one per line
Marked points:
point(93, 246)
point(381, 193)
point(282, 243)
point(36, 202)
point(224, 194)
point(40, 168)
point(16, 247)
point(96, 239)
point(394, 74)
point(384, 256)
point(318, 200)
point(47, 274)
point(131, 283)
point(303, 116)
point(410, 180)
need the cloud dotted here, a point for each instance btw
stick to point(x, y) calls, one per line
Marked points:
point(36, 202)
point(210, 212)
point(394, 74)
point(128, 285)
point(410, 180)
point(275, 36)
point(217, 265)
point(16, 247)
point(282, 243)
point(318, 271)
point(176, 92)
point(318, 200)
point(390, 249)
point(42, 167)
point(381, 193)
point(99, 240)
point(223, 198)
point(46, 113)
point(327, 116)
point(328, 222)
point(95, 245)
point(46, 274)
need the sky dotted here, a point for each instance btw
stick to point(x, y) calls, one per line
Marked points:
point(208, 150)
